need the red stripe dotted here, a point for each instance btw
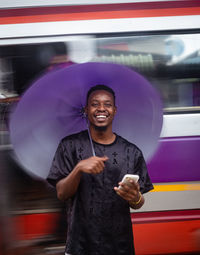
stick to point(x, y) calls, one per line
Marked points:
point(105, 11)
point(165, 216)
point(97, 8)
point(101, 15)
point(167, 238)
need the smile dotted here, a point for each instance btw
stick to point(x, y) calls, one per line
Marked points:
point(100, 117)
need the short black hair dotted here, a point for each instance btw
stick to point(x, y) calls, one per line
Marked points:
point(100, 87)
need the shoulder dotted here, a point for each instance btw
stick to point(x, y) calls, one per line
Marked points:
point(75, 137)
point(125, 142)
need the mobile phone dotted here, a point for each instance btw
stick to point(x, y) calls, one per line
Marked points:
point(128, 177)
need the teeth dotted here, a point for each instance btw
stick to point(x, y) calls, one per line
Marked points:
point(100, 116)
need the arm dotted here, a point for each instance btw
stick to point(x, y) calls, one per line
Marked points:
point(131, 191)
point(68, 186)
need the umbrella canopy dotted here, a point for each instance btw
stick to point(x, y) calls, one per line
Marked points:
point(52, 108)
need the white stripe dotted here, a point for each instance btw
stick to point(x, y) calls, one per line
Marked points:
point(171, 200)
point(166, 218)
point(96, 26)
point(176, 125)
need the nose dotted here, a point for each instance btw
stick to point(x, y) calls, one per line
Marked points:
point(101, 107)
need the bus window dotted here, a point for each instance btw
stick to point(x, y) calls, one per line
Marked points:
point(170, 62)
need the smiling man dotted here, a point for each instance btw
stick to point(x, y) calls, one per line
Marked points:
point(101, 110)
point(98, 211)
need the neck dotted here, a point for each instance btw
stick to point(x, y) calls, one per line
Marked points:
point(102, 135)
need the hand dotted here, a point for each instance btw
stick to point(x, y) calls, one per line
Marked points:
point(92, 165)
point(128, 191)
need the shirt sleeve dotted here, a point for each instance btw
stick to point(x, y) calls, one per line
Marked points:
point(62, 165)
point(141, 169)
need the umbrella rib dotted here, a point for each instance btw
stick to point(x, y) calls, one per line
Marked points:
point(90, 138)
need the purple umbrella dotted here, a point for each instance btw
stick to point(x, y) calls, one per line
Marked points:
point(51, 109)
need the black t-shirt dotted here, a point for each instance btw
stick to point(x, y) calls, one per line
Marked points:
point(99, 220)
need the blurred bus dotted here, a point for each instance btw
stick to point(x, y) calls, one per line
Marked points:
point(158, 39)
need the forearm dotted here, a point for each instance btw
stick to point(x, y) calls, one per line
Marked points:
point(137, 204)
point(68, 186)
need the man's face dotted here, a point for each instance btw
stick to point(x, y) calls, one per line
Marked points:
point(100, 108)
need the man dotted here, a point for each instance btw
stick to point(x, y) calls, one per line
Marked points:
point(99, 219)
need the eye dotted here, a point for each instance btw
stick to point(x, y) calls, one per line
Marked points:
point(108, 105)
point(94, 104)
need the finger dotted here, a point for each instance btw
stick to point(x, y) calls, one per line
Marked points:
point(134, 183)
point(127, 187)
point(136, 186)
point(117, 190)
point(100, 168)
point(104, 158)
point(96, 170)
point(120, 191)
point(100, 165)
point(95, 161)
point(128, 192)
point(123, 194)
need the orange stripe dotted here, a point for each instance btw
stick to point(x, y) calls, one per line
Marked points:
point(101, 15)
point(176, 187)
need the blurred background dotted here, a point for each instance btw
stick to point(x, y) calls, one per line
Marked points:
point(32, 220)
